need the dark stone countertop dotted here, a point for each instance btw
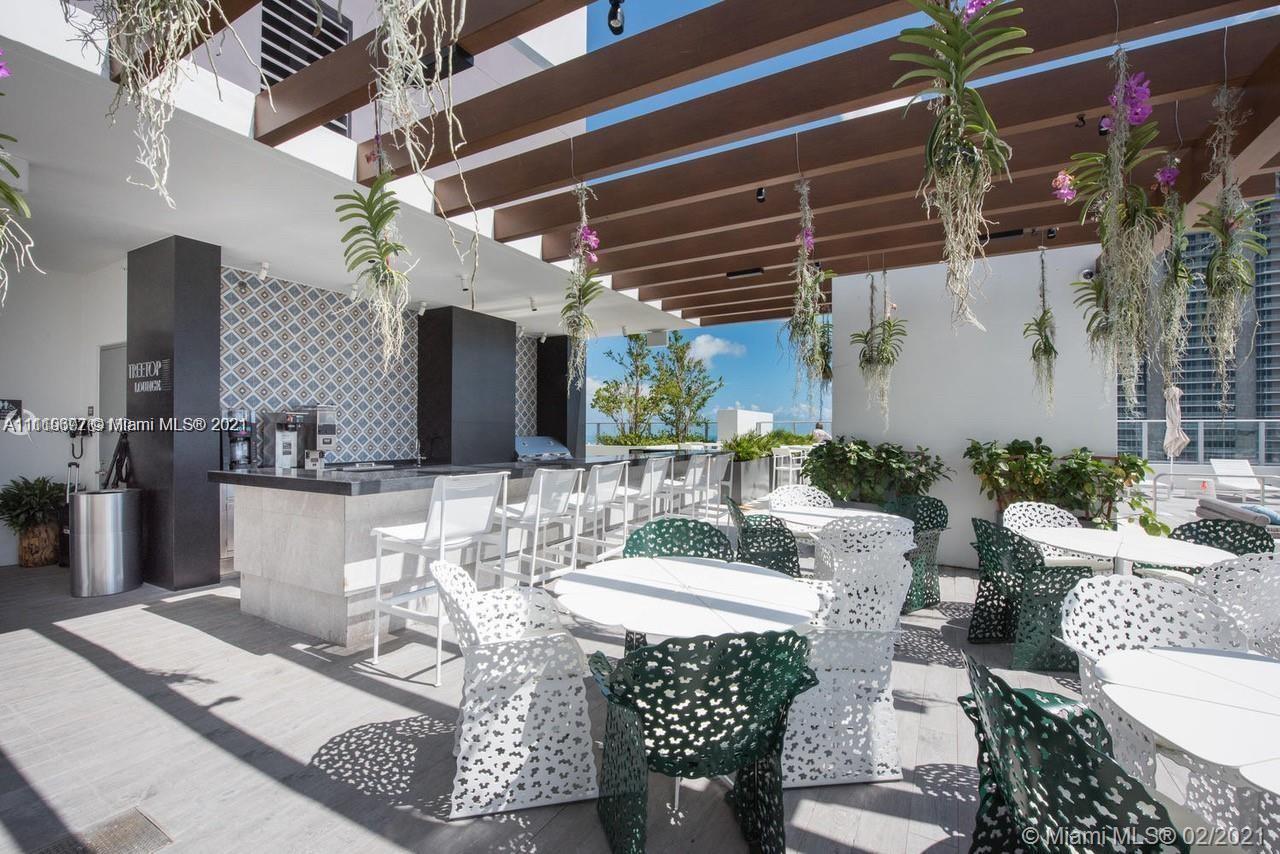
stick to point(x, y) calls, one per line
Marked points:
point(404, 476)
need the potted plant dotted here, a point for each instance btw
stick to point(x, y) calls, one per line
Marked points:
point(30, 509)
point(752, 457)
point(853, 471)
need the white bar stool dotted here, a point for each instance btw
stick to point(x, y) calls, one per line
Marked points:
point(650, 493)
point(603, 493)
point(550, 502)
point(460, 514)
point(686, 492)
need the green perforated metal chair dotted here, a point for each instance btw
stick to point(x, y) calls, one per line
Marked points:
point(1046, 772)
point(994, 613)
point(765, 541)
point(675, 536)
point(1019, 573)
point(1231, 535)
point(930, 517)
point(700, 707)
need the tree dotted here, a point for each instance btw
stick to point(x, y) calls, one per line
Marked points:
point(629, 402)
point(683, 386)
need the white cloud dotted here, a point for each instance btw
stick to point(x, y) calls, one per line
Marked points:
point(706, 347)
point(592, 384)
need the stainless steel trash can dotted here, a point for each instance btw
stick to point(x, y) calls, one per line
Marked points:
point(106, 538)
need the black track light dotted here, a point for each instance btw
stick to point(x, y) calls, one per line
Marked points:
point(1051, 233)
point(616, 21)
point(760, 195)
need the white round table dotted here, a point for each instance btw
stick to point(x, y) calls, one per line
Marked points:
point(1221, 706)
point(809, 519)
point(685, 597)
point(1127, 545)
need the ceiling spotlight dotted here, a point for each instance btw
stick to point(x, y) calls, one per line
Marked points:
point(465, 282)
point(760, 195)
point(263, 268)
point(422, 308)
point(533, 306)
point(542, 339)
point(1080, 122)
point(1051, 233)
point(616, 21)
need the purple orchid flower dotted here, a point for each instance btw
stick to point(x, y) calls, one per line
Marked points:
point(1135, 101)
point(973, 7)
point(587, 237)
point(1063, 186)
point(806, 239)
point(1166, 177)
point(4, 69)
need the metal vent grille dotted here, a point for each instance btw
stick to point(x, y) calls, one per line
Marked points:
point(290, 41)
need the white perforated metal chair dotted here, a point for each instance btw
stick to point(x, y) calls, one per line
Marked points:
point(845, 730)
point(524, 735)
point(461, 513)
point(1021, 515)
point(1248, 589)
point(549, 504)
point(1105, 614)
point(797, 495)
point(603, 492)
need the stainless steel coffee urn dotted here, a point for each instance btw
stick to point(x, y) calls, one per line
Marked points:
point(280, 439)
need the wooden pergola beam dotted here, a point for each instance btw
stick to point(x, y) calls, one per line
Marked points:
point(1257, 143)
point(883, 138)
point(701, 44)
point(859, 78)
point(344, 80)
point(1046, 214)
point(229, 11)
point(741, 312)
point(879, 197)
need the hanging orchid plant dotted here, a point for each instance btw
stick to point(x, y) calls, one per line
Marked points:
point(582, 289)
point(1173, 288)
point(414, 79)
point(1042, 332)
point(964, 152)
point(1232, 222)
point(880, 346)
point(1103, 183)
point(804, 327)
point(15, 242)
point(372, 248)
point(145, 42)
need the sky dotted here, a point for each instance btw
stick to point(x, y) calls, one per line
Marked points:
point(758, 373)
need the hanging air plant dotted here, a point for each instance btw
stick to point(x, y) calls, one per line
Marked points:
point(15, 242)
point(881, 345)
point(145, 42)
point(1173, 288)
point(1128, 222)
point(1232, 222)
point(372, 247)
point(582, 289)
point(1041, 331)
point(414, 79)
point(804, 327)
point(964, 152)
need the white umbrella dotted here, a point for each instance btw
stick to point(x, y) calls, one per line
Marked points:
point(1175, 438)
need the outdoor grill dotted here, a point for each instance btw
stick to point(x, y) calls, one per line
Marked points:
point(538, 449)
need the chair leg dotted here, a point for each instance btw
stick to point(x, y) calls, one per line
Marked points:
point(624, 783)
point(439, 638)
point(757, 800)
point(377, 594)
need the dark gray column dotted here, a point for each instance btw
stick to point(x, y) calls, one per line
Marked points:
point(466, 387)
point(562, 410)
point(173, 317)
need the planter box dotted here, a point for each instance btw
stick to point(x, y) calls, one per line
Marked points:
point(750, 479)
point(855, 505)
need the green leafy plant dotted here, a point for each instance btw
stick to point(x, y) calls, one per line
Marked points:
point(629, 402)
point(15, 242)
point(371, 248)
point(636, 439)
point(880, 346)
point(804, 328)
point(964, 150)
point(582, 289)
point(1041, 331)
point(856, 470)
point(26, 503)
point(749, 446)
point(1086, 485)
point(1173, 290)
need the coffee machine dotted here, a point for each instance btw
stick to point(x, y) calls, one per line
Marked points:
point(319, 432)
point(237, 438)
point(280, 439)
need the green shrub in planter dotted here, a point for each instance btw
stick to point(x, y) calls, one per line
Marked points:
point(30, 509)
point(856, 470)
point(1078, 481)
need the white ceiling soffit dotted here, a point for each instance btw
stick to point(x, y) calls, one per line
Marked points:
point(254, 201)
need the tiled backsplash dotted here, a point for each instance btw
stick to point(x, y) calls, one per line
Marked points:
point(286, 345)
point(526, 386)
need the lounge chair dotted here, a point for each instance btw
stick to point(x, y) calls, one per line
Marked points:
point(1237, 477)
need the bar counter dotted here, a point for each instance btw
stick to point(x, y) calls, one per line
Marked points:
point(303, 541)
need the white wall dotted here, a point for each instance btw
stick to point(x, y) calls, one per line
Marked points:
point(954, 385)
point(51, 328)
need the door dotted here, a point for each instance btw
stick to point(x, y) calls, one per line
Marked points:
point(112, 382)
